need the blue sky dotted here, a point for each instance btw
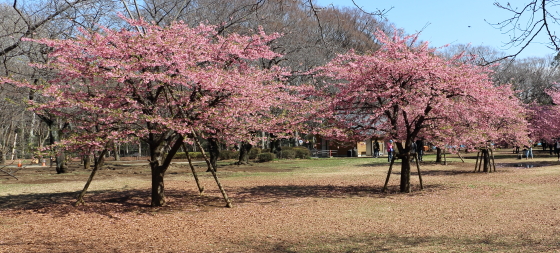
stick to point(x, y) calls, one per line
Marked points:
point(450, 21)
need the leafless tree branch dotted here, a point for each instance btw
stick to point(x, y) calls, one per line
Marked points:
point(32, 27)
point(526, 23)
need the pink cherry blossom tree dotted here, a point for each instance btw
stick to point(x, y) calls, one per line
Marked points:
point(544, 118)
point(165, 85)
point(405, 90)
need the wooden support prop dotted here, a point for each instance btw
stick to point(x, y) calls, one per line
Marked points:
point(388, 174)
point(476, 165)
point(200, 188)
point(444, 156)
point(210, 166)
point(80, 199)
point(418, 167)
point(492, 157)
point(9, 173)
point(481, 161)
point(459, 154)
point(212, 169)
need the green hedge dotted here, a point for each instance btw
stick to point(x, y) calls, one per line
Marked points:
point(295, 152)
point(254, 153)
point(302, 153)
point(183, 155)
point(287, 154)
point(265, 157)
point(229, 154)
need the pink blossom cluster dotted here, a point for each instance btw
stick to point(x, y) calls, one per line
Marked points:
point(118, 86)
point(405, 92)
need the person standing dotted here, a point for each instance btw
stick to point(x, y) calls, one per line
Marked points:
point(413, 150)
point(376, 149)
point(557, 149)
point(528, 151)
point(420, 148)
point(390, 150)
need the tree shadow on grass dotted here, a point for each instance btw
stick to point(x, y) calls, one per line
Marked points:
point(424, 169)
point(379, 164)
point(441, 172)
point(108, 202)
point(274, 193)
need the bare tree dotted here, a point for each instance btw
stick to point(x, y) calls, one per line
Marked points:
point(482, 55)
point(32, 16)
point(529, 20)
point(38, 19)
point(531, 77)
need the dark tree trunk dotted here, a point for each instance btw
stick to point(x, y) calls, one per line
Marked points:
point(54, 136)
point(80, 199)
point(404, 155)
point(2, 156)
point(438, 155)
point(159, 163)
point(486, 160)
point(117, 151)
point(99, 162)
point(87, 162)
point(61, 166)
point(405, 174)
point(275, 145)
point(244, 153)
point(214, 152)
point(158, 194)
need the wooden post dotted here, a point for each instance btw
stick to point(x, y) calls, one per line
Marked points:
point(476, 165)
point(98, 163)
point(459, 154)
point(486, 160)
point(481, 160)
point(445, 156)
point(493, 161)
point(200, 188)
point(418, 167)
point(9, 173)
point(388, 174)
point(212, 170)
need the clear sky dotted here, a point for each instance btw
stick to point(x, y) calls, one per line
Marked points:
point(450, 21)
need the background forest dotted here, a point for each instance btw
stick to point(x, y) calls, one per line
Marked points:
point(312, 35)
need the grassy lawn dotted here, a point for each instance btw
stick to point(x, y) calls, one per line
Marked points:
point(314, 205)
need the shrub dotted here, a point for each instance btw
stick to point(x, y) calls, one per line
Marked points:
point(180, 155)
point(254, 152)
point(229, 154)
point(294, 152)
point(265, 157)
point(288, 154)
point(286, 148)
point(183, 155)
point(302, 152)
point(196, 155)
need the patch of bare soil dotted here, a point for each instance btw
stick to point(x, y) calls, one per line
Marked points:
point(294, 209)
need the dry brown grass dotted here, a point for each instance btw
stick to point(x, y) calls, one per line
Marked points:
point(329, 205)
